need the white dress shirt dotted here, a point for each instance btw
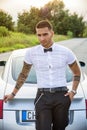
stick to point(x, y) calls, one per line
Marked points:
point(50, 66)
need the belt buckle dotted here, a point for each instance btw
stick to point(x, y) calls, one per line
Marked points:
point(52, 90)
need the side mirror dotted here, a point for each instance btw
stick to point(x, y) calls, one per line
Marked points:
point(2, 63)
point(82, 64)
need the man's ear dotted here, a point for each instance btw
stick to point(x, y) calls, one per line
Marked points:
point(52, 32)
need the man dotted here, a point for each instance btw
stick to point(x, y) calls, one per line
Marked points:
point(50, 60)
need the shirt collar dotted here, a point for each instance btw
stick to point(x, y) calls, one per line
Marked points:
point(53, 45)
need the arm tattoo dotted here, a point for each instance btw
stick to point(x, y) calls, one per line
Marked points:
point(23, 75)
point(17, 87)
point(76, 78)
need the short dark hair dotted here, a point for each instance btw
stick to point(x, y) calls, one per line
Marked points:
point(44, 23)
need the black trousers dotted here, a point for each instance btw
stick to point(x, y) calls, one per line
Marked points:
point(51, 110)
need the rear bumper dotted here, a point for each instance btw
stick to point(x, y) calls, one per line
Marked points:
point(1, 121)
point(11, 122)
point(79, 121)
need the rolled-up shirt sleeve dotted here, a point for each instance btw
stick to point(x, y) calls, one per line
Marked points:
point(71, 57)
point(27, 57)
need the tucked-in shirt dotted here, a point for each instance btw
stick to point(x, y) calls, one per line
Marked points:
point(50, 66)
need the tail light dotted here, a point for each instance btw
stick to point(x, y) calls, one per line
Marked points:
point(86, 107)
point(1, 109)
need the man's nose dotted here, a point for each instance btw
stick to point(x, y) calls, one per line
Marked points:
point(42, 38)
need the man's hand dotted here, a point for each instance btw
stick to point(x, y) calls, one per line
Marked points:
point(70, 94)
point(8, 97)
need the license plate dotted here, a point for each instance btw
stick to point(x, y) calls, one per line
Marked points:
point(28, 116)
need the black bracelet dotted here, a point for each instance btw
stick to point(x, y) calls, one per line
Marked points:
point(76, 78)
point(13, 94)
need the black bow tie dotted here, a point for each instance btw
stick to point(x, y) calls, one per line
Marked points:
point(49, 49)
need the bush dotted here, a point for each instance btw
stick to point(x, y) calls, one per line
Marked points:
point(18, 46)
point(85, 32)
point(70, 34)
point(4, 31)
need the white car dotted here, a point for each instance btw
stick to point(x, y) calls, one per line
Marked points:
point(19, 114)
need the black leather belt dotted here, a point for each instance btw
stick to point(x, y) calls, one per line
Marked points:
point(53, 90)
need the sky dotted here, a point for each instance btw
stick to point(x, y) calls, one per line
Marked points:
point(13, 7)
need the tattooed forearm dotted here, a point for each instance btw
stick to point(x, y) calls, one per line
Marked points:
point(23, 75)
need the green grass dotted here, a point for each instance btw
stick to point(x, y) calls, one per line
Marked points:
point(19, 40)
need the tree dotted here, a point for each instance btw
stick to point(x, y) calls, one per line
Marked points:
point(6, 20)
point(52, 9)
point(28, 19)
point(76, 25)
point(63, 22)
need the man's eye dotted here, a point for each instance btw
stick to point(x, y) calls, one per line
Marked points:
point(45, 34)
point(39, 35)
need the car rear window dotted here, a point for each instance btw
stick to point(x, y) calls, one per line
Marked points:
point(17, 64)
